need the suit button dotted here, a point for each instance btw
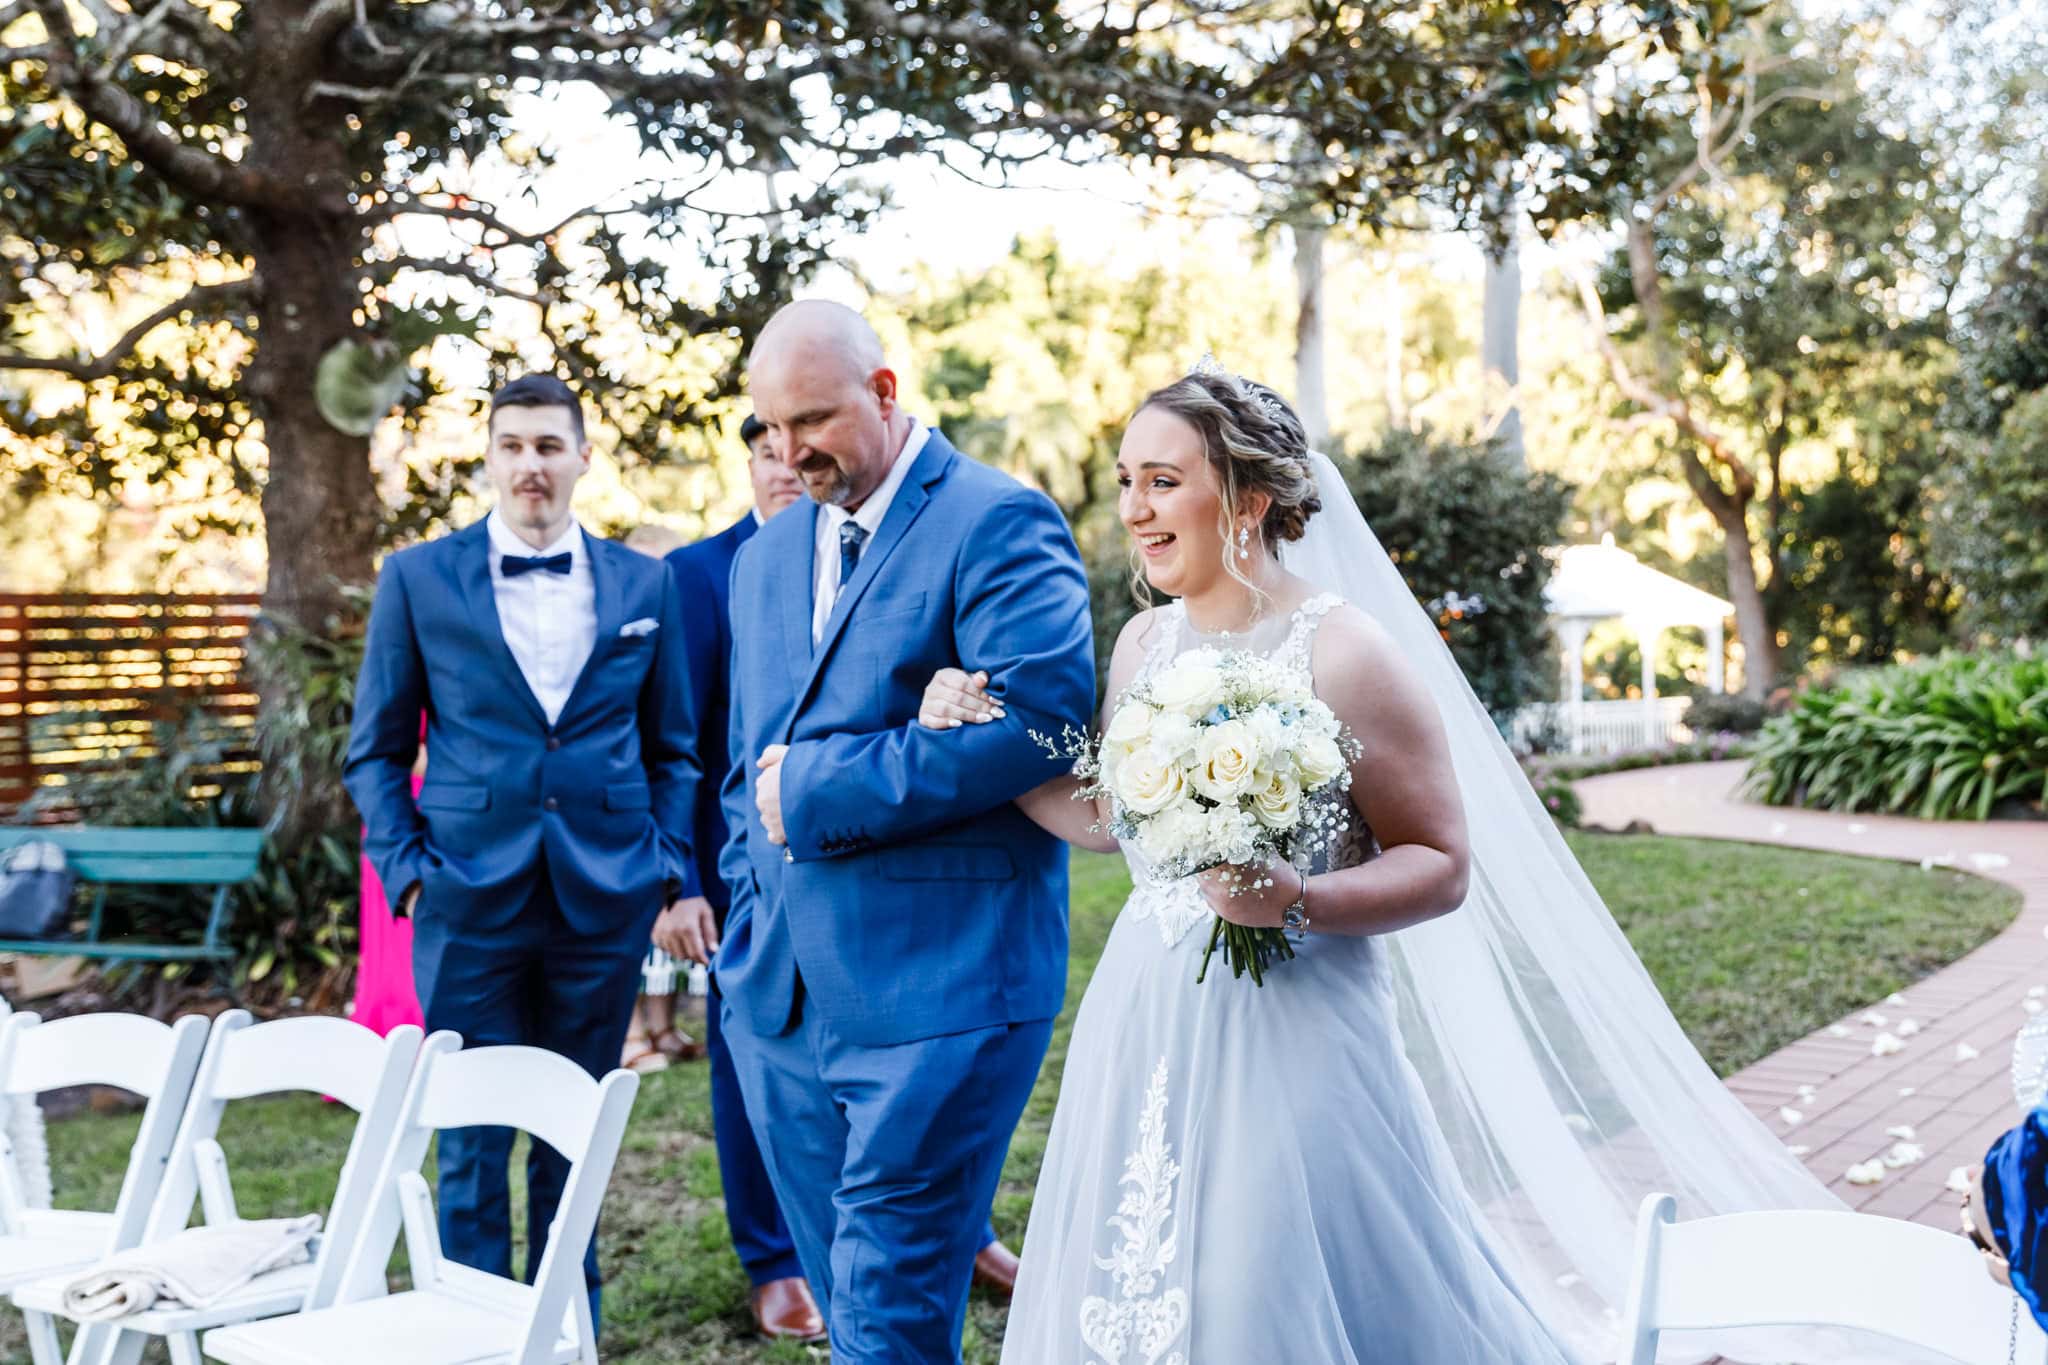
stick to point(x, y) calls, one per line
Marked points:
point(551, 804)
point(554, 743)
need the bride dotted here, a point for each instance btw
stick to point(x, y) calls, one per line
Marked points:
point(1424, 1137)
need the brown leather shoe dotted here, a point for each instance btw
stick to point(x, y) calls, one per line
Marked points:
point(995, 1269)
point(784, 1309)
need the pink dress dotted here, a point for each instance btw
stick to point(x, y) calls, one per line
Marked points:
point(385, 995)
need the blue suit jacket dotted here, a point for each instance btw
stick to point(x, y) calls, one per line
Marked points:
point(602, 799)
point(914, 899)
point(703, 573)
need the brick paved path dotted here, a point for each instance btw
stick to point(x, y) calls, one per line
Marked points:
point(1840, 1098)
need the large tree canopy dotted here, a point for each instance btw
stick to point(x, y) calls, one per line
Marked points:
point(226, 227)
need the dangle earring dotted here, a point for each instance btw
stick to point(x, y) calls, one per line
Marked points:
point(1244, 542)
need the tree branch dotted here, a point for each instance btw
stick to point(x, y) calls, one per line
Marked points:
point(1666, 406)
point(199, 173)
point(200, 299)
point(382, 271)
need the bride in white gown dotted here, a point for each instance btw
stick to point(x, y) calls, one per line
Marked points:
point(1240, 1173)
point(1423, 1140)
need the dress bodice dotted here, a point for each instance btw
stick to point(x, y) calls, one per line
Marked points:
point(1176, 904)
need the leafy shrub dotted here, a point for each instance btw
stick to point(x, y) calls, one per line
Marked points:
point(1949, 738)
point(1726, 712)
point(1467, 524)
point(1559, 798)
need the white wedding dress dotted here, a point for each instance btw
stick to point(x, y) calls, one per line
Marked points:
point(1242, 1175)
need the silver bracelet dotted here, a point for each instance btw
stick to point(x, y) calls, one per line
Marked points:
point(1294, 919)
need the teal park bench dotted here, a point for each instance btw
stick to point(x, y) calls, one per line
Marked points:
point(219, 858)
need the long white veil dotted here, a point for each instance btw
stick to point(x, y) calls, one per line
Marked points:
point(1566, 1088)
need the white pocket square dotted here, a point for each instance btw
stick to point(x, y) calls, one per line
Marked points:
point(646, 625)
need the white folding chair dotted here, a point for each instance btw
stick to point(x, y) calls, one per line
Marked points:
point(154, 1060)
point(1906, 1281)
point(323, 1056)
point(454, 1315)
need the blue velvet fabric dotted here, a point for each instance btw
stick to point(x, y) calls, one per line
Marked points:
point(2016, 1205)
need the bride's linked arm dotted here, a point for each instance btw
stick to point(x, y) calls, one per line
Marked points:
point(954, 698)
point(1020, 603)
point(1402, 784)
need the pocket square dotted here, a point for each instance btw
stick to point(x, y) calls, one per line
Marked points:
point(646, 625)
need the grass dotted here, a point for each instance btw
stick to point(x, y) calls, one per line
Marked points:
point(1753, 947)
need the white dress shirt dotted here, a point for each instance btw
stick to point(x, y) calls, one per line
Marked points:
point(869, 519)
point(549, 619)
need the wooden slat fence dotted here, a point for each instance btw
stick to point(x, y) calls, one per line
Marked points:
point(85, 678)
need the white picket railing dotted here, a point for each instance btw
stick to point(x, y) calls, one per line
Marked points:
point(1604, 727)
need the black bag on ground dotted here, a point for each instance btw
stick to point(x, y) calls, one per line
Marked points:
point(35, 891)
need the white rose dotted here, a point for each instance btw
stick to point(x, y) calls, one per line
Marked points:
point(1277, 803)
point(1318, 761)
point(1192, 686)
point(1225, 759)
point(1130, 725)
point(1147, 782)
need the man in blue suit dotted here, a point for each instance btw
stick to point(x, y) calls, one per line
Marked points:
point(554, 823)
point(896, 947)
point(781, 1299)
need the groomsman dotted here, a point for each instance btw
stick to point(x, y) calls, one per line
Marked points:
point(782, 1301)
point(555, 821)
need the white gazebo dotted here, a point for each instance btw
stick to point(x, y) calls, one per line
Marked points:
point(1593, 583)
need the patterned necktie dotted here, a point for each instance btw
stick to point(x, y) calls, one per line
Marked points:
point(514, 565)
point(852, 535)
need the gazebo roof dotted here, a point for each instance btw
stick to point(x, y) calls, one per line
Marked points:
point(1600, 582)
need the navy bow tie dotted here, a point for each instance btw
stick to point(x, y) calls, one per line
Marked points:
point(515, 565)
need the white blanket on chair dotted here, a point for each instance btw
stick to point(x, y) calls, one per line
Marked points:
point(197, 1267)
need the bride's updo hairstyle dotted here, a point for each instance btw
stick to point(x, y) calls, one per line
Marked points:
point(1255, 443)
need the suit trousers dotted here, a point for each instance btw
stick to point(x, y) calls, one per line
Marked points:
point(884, 1160)
point(540, 983)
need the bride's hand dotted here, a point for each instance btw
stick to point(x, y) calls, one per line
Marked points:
point(1255, 907)
point(954, 698)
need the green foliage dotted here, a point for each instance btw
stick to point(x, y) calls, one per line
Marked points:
point(1946, 739)
point(2006, 336)
point(1714, 713)
point(1467, 525)
point(1560, 798)
point(1986, 512)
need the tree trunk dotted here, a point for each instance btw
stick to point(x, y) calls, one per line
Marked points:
point(319, 502)
point(1311, 398)
point(1752, 616)
point(1500, 338)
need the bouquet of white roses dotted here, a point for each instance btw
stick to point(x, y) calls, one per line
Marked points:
point(1217, 760)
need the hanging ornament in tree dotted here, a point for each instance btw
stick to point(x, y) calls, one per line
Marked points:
point(357, 383)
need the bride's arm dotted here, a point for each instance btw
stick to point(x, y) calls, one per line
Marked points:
point(1401, 783)
point(955, 697)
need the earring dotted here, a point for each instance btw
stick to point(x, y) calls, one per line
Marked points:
point(1244, 542)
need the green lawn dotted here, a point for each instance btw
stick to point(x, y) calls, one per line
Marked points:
point(1752, 946)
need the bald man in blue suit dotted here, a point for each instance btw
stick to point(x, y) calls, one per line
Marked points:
point(781, 1299)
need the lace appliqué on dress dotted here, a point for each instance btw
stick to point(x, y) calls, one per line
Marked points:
point(1141, 1316)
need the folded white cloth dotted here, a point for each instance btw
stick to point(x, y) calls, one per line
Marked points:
point(197, 1267)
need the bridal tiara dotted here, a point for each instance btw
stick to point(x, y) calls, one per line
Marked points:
point(1273, 404)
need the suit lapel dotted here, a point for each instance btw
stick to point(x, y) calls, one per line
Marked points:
point(473, 575)
point(610, 594)
point(798, 601)
point(909, 501)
